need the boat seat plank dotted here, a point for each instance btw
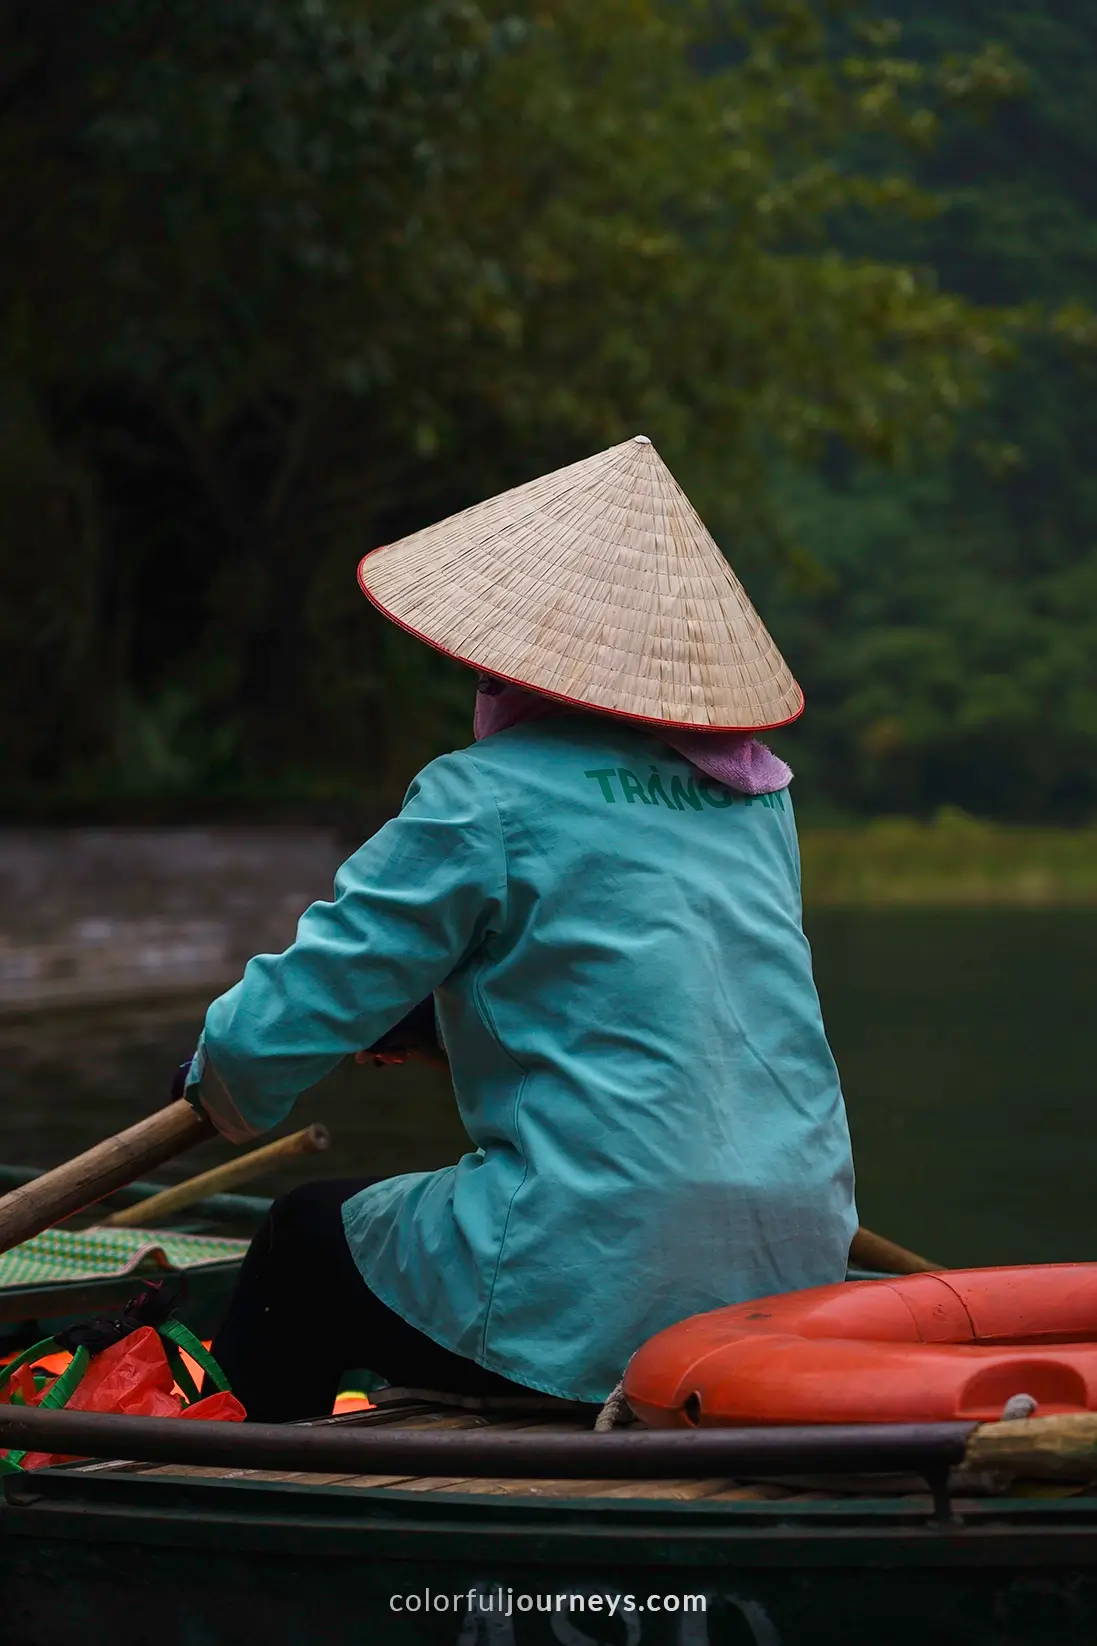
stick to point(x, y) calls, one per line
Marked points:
point(421, 1483)
point(755, 1492)
point(298, 1477)
point(446, 1420)
point(481, 1420)
point(675, 1490)
point(682, 1491)
point(416, 1416)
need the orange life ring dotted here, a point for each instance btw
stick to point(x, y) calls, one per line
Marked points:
point(925, 1348)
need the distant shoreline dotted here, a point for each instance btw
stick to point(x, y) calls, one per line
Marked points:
point(98, 919)
point(954, 862)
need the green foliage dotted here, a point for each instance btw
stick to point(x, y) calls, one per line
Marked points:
point(952, 652)
point(932, 668)
point(952, 861)
point(298, 276)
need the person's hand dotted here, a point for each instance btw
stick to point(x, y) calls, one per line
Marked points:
point(412, 1039)
point(382, 1060)
point(384, 1057)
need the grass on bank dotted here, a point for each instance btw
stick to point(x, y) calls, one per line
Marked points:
point(953, 861)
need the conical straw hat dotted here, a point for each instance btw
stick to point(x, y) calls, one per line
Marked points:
point(599, 585)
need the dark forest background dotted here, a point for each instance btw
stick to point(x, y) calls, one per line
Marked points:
point(283, 279)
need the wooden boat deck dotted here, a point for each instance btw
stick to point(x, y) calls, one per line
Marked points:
point(407, 1410)
point(251, 1557)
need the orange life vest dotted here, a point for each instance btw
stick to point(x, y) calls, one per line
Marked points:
point(925, 1348)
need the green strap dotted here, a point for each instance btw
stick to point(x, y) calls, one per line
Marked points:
point(63, 1390)
point(181, 1373)
point(45, 1346)
point(175, 1333)
point(184, 1338)
point(56, 1397)
point(10, 1461)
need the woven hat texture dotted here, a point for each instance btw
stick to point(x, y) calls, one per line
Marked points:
point(597, 584)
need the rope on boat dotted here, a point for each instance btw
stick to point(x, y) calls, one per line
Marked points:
point(615, 1413)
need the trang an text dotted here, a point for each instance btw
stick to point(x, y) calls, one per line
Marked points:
point(618, 782)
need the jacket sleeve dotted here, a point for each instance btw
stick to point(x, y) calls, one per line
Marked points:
point(409, 906)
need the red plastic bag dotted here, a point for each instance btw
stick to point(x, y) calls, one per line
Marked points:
point(221, 1407)
point(133, 1378)
point(23, 1385)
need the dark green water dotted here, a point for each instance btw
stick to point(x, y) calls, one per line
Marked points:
point(967, 1044)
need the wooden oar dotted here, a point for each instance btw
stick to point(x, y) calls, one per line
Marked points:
point(309, 1140)
point(872, 1251)
point(92, 1176)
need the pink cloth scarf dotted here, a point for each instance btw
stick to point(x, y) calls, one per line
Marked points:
point(735, 759)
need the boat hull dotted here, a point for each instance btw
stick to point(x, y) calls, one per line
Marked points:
point(233, 1563)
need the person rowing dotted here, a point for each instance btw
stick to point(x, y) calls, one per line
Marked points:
point(600, 898)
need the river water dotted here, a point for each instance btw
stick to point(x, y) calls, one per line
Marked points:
point(966, 1040)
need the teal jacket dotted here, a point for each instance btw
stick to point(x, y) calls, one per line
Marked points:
point(625, 993)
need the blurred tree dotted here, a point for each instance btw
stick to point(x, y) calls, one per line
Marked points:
point(286, 278)
point(952, 654)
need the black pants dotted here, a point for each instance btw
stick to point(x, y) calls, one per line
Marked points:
point(302, 1315)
